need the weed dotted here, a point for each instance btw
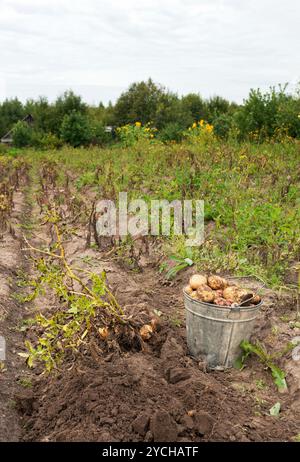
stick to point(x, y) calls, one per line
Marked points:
point(176, 322)
point(25, 324)
point(260, 384)
point(275, 331)
point(285, 318)
point(25, 382)
point(267, 359)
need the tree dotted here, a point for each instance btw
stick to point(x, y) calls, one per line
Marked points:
point(262, 113)
point(138, 103)
point(170, 111)
point(42, 112)
point(76, 129)
point(148, 102)
point(22, 135)
point(11, 111)
point(195, 106)
point(216, 106)
point(65, 105)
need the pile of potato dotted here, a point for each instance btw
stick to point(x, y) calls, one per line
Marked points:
point(218, 291)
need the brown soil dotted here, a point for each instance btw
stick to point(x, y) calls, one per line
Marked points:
point(11, 313)
point(154, 393)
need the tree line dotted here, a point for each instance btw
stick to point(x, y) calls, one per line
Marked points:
point(263, 115)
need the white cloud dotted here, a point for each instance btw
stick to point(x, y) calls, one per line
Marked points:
point(100, 47)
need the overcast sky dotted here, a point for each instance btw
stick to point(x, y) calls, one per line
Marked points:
point(99, 47)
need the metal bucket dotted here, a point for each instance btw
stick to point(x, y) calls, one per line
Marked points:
point(215, 333)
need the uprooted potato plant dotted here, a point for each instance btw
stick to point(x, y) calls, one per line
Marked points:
point(86, 304)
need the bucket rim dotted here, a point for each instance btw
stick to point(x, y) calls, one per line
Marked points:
point(222, 308)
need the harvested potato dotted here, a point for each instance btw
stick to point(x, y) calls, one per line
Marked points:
point(217, 283)
point(205, 287)
point(206, 296)
point(216, 290)
point(194, 295)
point(155, 324)
point(197, 280)
point(222, 302)
point(188, 289)
point(244, 295)
point(230, 293)
point(256, 300)
point(146, 331)
point(103, 332)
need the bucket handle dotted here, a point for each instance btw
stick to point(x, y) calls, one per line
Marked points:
point(263, 285)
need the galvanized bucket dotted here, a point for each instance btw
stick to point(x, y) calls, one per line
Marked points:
point(215, 333)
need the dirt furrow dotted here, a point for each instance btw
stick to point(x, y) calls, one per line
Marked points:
point(14, 372)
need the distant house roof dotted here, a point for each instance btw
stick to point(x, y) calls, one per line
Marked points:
point(8, 137)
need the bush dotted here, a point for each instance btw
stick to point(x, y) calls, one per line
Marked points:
point(22, 135)
point(200, 132)
point(131, 134)
point(3, 149)
point(269, 115)
point(222, 125)
point(76, 129)
point(99, 135)
point(171, 132)
point(47, 141)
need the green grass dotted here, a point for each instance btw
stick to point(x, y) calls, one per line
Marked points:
point(25, 382)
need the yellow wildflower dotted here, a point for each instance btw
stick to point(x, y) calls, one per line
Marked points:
point(138, 124)
point(194, 125)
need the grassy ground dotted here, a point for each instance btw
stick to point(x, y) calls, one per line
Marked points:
point(251, 195)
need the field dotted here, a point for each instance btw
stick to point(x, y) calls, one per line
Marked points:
point(72, 304)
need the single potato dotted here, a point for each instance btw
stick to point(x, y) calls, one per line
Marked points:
point(197, 280)
point(217, 283)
